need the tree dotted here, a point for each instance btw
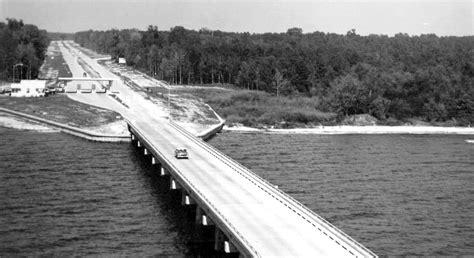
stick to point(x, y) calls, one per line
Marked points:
point(346, 94)
point(279, 83)
point(21, 43)
point(401, 76)
point(294, 31)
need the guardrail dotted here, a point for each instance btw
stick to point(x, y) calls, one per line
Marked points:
point(206, 202)
point(282, 197)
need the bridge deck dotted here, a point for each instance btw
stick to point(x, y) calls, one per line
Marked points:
point(267, 220)
point(257, 216)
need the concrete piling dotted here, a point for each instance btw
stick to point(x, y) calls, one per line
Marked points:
point(174, 185)
point(164, 172)
point(206, 229)
point(186, 199)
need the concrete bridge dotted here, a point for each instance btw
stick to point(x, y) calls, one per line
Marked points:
point(87, 84)
point(251, 217)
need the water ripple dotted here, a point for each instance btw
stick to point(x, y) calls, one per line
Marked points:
point(398, 195)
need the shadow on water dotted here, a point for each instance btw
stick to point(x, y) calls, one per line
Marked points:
point(197, 240)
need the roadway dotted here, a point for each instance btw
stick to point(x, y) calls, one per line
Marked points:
point(271, 222)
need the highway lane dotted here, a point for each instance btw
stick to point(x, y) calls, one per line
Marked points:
point(262, 217)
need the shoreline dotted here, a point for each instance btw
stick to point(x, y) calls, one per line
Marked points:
point(112, 132)
point(346, 129)
point(114, 129)
point(18, 123)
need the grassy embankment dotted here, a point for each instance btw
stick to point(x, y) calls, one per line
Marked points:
point(54, 65)
point(184, 107)
point(260, 109)
point(61, 109)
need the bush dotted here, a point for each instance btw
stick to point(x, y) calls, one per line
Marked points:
point(360, 120)
point(257, 108)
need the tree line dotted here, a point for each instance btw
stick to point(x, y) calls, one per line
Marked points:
point(22, 50)
point(397, 77)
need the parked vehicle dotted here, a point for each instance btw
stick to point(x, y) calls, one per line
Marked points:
point(100, 89)
point(181, 153)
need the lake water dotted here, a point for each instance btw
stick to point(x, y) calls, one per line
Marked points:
point(396, 194)
point(64, 195)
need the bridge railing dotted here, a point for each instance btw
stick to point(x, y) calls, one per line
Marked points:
point(279, 194)
point(207, 203)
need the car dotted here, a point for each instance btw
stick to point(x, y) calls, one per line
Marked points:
point(100, 89)
point(181, 153)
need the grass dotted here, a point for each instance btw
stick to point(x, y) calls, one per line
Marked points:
point(62, 109)
point(54, 64)
point(260, 109)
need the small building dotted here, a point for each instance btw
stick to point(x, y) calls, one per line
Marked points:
point(29, 88)
point(122, 60)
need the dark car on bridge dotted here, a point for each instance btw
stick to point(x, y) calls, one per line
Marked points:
point(181, 153)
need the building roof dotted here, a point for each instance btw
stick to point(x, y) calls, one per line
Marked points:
point(15, 86)
point(29, 84)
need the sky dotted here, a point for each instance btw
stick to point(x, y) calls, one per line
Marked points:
point(387, 17)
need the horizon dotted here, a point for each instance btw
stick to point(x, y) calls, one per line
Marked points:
point(442, 18)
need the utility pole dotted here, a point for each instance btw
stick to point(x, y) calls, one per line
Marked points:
point(14, 68)
point(169, 102)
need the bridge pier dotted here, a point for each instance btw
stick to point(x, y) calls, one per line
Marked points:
point(164, 172)
point(207, 234)
point(222, 243)
point(229, 247)
point(202, 219)
point(186, 199)
point(174, 185)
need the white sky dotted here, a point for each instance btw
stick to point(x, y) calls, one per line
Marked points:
point(387, 17)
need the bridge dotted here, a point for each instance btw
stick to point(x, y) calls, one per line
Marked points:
point(88, 86)
point(250, 216)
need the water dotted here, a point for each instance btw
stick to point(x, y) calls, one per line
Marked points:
point(398, 195)
point(64, 195)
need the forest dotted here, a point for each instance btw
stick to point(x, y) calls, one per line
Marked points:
point(398, 77)
point(22, 50)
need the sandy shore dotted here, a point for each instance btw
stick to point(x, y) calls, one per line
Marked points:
point(118, 128)
point(114, 128)
point(20, 124)
point(359, 130)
